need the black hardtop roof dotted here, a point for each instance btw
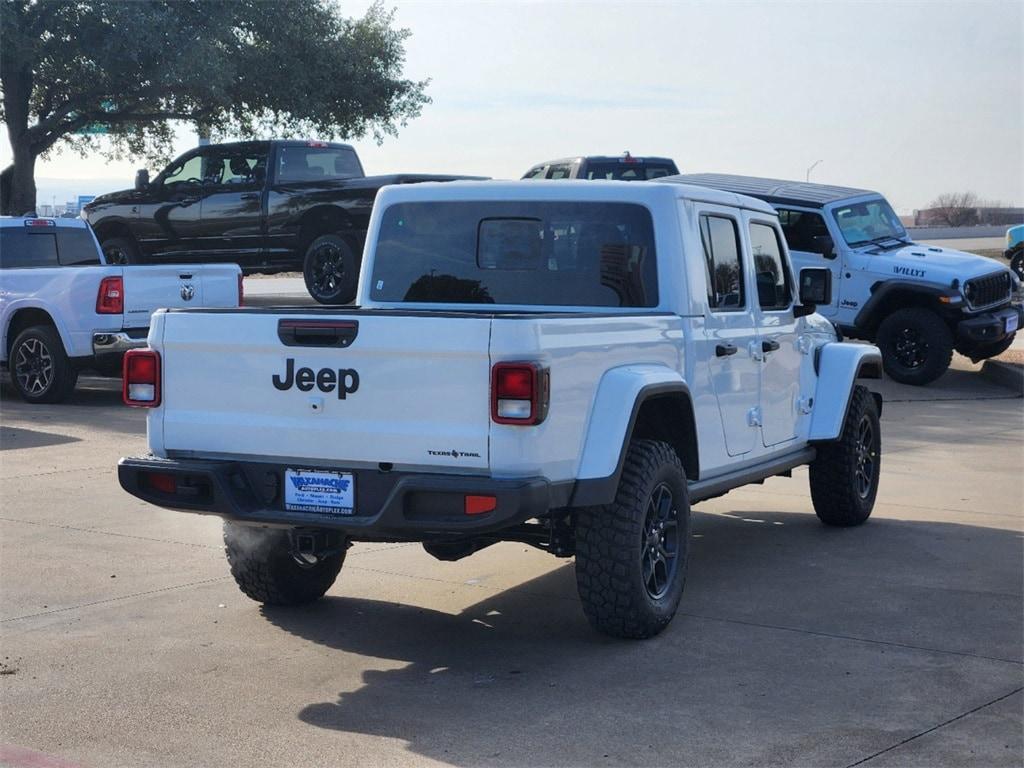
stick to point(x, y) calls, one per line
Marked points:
point(274, 142)
point(772, 190)
point(607, 159)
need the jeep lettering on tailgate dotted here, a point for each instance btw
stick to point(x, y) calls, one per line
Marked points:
point(345, 380)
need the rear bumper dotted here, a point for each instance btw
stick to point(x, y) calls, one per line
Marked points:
point(989, 326)
point(109, 348)
point(388, 505)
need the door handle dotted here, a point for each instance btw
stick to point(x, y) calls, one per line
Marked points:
point(251, 196)
point(769, 346)
point(724, 350)
point(317, 333)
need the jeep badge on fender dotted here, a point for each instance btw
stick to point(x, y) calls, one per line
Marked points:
point(345, 380)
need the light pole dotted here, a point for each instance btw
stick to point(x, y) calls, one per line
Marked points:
point(807, 176)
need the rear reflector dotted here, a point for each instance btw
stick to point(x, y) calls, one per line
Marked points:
point(478, 505)
point(140, 386)
point(519, 393)
point(161, 482)
point(110, 298)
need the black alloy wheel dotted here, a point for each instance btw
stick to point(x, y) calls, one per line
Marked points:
point(33, 367)
point(911, 349)
point(660, 549)
point(867, 456)
point(331, 270)
point(328, 268)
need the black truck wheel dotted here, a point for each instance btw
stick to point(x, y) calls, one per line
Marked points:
point(265, 569)
point(1016, 257)
point(40, 368)
point(916, 345)
point(120, 250)
point(631, 554)
point(331, 270)
point(844, 475)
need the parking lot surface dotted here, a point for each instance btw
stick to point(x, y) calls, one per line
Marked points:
point(126, 643)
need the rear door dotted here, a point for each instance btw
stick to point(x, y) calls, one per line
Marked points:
point(343, 389)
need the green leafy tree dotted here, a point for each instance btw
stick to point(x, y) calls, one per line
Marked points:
point(71, 69)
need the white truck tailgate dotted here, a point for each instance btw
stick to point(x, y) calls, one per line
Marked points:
point(410, 391)
point(150, 287)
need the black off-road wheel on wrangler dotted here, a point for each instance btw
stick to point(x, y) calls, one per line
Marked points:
point(916, 345)
point(1016, 257)
point(40, 368)
point(265, 568)
point(631, 554)
point(331, 270)
point(120, 250)
point(845, 473)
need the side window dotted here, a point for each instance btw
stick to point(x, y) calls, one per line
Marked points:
point(721, 242)
point(240, 167)
point(800, 229)
point(774, 285)
point(76, 247)
point(535, 173)
point(21, 248)
point(559, 171)
point(189, 171)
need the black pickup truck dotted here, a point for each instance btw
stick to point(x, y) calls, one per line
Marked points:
point(269, 206)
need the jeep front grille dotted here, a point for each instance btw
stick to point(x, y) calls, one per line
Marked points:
point(988, 291)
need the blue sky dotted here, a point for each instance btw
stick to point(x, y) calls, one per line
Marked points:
point(910, 98)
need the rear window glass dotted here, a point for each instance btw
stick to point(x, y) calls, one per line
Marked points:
point(522, 253)
point(22, 248)
point(315, 163)
point(76, 247)
point(630, 171)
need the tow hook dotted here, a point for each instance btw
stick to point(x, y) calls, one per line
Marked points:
point(310, 546)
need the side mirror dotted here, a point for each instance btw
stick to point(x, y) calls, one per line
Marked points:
point(141, 180)
point(815, 290)
point(824, 245)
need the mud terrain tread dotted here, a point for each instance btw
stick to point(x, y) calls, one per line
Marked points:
point(265, 570)
point(833, 493)
point(608, 543)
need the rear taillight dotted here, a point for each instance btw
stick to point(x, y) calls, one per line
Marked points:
point(110, 299)
point(140, 386)
point(241, 290)
point(519, 393)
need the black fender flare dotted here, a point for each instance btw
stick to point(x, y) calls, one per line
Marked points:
point(870, 315)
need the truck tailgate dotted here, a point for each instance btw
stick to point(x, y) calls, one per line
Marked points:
point(150, 287)
point(410, 391)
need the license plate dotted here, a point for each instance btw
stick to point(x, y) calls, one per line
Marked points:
point(1012, 322)
point(313, 490)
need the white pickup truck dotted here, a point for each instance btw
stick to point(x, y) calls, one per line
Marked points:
point(63, 309)
point(565, 364)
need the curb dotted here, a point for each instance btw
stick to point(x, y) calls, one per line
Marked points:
point(1008, 375)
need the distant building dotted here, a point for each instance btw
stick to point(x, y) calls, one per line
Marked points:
point(45, 210)
point(982, 215)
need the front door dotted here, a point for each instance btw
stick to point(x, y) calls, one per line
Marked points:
point(730, 331)
point(168, 227)
point(778, 337)
point(232, 206)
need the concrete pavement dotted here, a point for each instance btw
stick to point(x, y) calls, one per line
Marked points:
point(125, 642)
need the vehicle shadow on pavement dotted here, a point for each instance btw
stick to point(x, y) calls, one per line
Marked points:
point(95, 404)
point(15, 437)
point(792, 624)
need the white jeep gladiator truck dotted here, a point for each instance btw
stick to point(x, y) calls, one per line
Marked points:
point(916, 302)
point(63, 309)
point(565, 364)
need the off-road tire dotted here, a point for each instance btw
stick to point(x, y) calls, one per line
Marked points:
point(41, 342)
point(263, 566)
point(837, 492)
point(611, 540)
point(331, 270)
point(120, 250)
point(1016, 257)
point(984, 351)
point(929, 330)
